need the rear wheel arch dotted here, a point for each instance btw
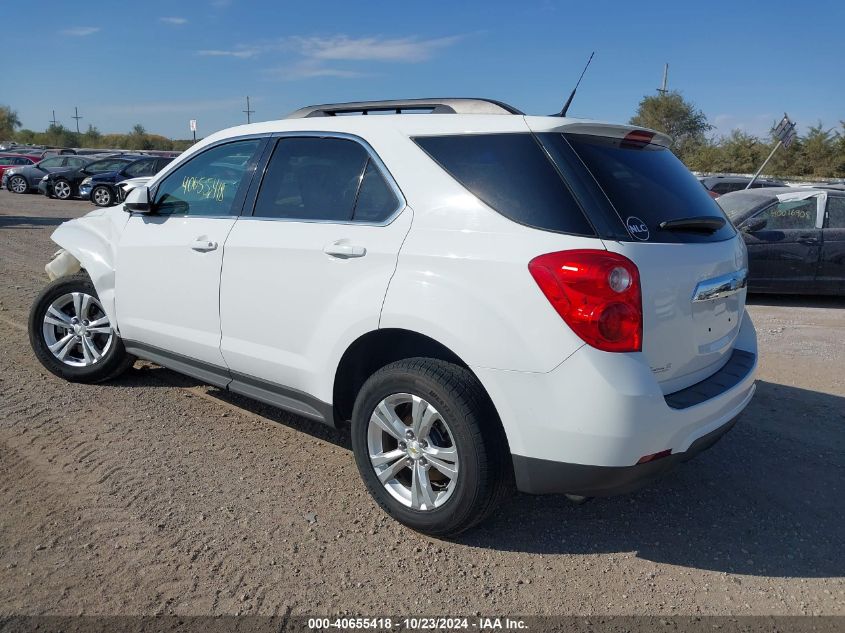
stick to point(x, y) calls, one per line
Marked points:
point(377, 349)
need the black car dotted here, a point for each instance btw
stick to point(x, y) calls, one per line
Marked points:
point(795, 238)
point(64, 185)
point(719, 185)
point(102, 188)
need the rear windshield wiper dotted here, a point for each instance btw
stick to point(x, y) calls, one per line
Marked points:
point(704, 224)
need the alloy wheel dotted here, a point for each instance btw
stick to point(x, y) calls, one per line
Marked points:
point(102, 196)
point(413, 452)
point(61, 189)
point(18, 184)
point(77, 330)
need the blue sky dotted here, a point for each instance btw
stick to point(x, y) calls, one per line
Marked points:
point(162, 63)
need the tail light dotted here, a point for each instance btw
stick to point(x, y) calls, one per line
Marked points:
point(597, 293)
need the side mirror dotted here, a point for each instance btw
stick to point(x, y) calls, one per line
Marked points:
point(138, 201)
point(754, 224)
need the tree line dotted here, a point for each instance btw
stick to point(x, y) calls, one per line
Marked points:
point(57, 135)
point(817, 154)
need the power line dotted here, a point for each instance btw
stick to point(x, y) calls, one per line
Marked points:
point(53, 120)
point(76, 116)
point(248, 111)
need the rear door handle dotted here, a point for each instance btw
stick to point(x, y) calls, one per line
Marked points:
point(808, 240)
point(344, 250)
point(203, 245)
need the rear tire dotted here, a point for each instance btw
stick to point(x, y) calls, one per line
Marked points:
point(71, 334)
point(429, 446)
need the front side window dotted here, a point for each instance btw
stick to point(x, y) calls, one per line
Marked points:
point(209, 183)
point(312, 179)
point(790, 214)
point(101, 166)
point(51, 163)
point(140, 168)
point(835, 212)
point(6, 161)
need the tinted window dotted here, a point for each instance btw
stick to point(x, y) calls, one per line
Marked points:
point(647, 182)
point(51, 163)
point(835, 212)
point(21, 161)
point(208, 184)
point(109, 164)
point(376, 200)
point(140, 168)
point(790, 214)
point(511, 174)
point(727, 187)
point(312, 179)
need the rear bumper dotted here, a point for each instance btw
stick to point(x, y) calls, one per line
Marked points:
point(541, 476)
point(583, 427)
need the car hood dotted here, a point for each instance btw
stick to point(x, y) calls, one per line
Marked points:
point(105, 176)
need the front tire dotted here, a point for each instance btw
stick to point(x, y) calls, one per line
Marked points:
point(71, 334)
point(429, 446)
point(18, 184)
point(102, 196)
point(62, 189)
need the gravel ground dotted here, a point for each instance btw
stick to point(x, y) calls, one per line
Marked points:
point(157, 494)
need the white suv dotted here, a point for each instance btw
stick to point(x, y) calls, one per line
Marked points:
point(490, 298)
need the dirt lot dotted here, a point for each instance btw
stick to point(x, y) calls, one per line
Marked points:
point(157, 494)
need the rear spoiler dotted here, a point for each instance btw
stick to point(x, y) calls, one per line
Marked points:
point(596, 128)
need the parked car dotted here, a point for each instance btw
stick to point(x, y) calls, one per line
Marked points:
point(9, 161)
point(102, 188)
point(720, 185)
point(25, 179)
point(65, 184)
point(795, 238)
point(544, 300)
point(125, 186)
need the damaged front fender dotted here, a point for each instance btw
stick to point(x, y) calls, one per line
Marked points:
point(90, 243)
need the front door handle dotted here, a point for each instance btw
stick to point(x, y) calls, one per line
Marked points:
point(203, 245)
point(344, 250)
point(808, 240)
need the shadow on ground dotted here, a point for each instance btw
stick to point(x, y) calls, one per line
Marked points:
point(796, 301)
point(766, 500)
point(28, 222)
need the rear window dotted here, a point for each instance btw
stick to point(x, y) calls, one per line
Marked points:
point(511, 174)
point(647, 185)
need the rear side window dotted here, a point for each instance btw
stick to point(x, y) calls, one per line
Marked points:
point(324, 179)
point(647, 185)
point(140, 168)
point(511, 174)
point(835, 212)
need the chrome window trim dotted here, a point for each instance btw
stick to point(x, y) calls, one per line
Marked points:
point(720, 287)
point(373, 156)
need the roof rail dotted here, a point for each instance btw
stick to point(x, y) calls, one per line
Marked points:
point(401, 106)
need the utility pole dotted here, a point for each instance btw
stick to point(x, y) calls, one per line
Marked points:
point(248, 111)
point(77, 117)
point(663, 90)
point(53, 121)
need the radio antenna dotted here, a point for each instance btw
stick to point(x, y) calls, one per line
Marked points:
point(572, 96)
